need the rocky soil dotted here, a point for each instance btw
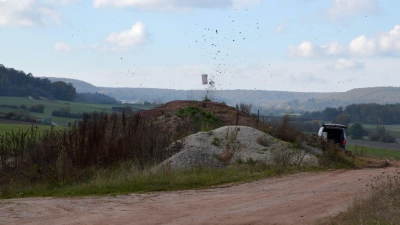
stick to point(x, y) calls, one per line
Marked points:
point(230, 144)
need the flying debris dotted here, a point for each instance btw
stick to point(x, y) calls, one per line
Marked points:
point(204, 79)
point(216, 31)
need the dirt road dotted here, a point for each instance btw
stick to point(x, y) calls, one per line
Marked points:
point(294, 199)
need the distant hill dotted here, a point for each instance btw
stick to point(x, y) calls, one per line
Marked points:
point(16, 83)
point(80, 86)
point(379, 95)
point(266, 101)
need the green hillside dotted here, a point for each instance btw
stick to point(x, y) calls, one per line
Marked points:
point(75, 107)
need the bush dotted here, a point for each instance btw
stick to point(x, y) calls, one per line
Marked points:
point(286, 131)
point(65, 112)
point(97, 141)
point(244, 108)
point(37, 108)
point(380, 135)
point(23, 107)
point(197, 119)
point(356, 131)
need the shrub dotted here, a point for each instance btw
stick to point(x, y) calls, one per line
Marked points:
point(197, 119)
point(356, 131)
point(286, 131)
point(231, 146)
point(244, 108)
point(37, 108)
point(380, 135)
point(23, 107)
point(98, 141)
point(216, 141)
point(65, 112)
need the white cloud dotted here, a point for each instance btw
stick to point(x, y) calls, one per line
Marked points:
point(307, 49)
point(331, 49)
point(280, 28)
point(345, 9)
point(174, 4)
point(387, 43)
point(62, 46)
point(103, 48)
point(26, 12)
point(347, 64)
point(137, 34)
point(363, 46)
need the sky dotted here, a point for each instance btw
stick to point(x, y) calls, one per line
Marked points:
point(288, 45)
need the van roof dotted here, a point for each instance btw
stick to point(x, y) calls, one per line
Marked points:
point(334, 125)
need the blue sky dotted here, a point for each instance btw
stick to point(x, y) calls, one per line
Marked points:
point(291, 45)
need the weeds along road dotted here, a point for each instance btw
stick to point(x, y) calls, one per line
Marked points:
point(293, 199)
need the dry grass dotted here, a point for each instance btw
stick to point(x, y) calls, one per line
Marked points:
point(71, 156)
point(381, 206)
point(231, 146)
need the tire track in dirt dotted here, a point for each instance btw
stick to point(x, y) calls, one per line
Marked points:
point(294, 199)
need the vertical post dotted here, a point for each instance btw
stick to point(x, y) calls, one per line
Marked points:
point(237, 116)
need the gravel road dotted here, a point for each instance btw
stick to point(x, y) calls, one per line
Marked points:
point(294, 199)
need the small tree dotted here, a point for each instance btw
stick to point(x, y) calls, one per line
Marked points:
point(356, 131)
point(315, 125)
point(245, 108)
point(37, 108)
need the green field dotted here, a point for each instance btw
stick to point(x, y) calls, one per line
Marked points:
point(378, 153)
point(76, 107)
point(8, 128)
point(50, 106)
point(393, 129)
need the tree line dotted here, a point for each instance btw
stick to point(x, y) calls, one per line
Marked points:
point(371, 113)
point(16, 83)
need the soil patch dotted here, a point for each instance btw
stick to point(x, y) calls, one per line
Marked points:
point(295, 199)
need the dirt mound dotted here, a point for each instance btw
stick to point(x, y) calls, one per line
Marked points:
point(228, 115)
point(180, 127)
point(225, 145)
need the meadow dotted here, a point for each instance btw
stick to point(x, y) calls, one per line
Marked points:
point(76, 107)
point(377, 153)
point(8, 128)
point(50, 106)
point(392, 129)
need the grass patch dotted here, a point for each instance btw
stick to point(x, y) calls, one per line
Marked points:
point(378, 153)
point(75, 107)
point(393, 129)
point(127, 178)
point(8, 128)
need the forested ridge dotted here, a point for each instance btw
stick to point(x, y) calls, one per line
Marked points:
point(16, 83)
point(370, 113)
